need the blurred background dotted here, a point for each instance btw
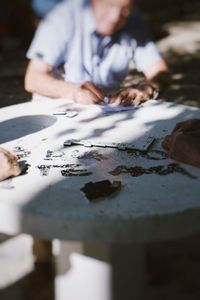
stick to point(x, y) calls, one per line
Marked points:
point(173, 268)
point(174, 24)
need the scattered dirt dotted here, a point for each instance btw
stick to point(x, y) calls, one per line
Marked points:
point(67, 170)
point(21, 152)
point(160, 170)
point(72, 172)
point(89, 155)
point(151, 154)
point(44, 169)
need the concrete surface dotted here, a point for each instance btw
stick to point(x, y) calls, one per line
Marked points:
point(173, 267)
point(168, 206)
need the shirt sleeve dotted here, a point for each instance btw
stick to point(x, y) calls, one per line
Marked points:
point(146, 53)
point(52, 37)
point(146, 56)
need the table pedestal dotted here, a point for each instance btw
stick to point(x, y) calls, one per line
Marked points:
point(99, 271)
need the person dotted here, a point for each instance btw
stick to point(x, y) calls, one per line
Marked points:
point(83, 49)
point(183, 144)
point(8, 164)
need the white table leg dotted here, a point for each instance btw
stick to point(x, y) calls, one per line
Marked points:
point(99, 271)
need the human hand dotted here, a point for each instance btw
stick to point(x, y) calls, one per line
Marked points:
point(132, 96)
point(183, 144)
point(88, 93)
point(8, 164)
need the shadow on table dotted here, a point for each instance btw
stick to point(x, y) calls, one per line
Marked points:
point(21, 126)
point(102, 167)
point(152, 128)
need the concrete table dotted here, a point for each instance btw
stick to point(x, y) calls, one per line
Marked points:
point(158, 200)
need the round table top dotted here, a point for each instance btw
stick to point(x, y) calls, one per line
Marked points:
point(158, 198)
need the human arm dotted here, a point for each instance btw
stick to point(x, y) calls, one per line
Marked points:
point(156, 79)
point(39, 79)
point(50, 49)
point(158, 75)
point(147, 60)
point(8, 164)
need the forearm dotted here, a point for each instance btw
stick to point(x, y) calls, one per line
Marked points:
point(45, 84)
point(39, 79)
point(158, 75)
point(156, 79)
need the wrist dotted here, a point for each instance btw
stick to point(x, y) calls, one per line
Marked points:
point(69, 91)
point(150, 89)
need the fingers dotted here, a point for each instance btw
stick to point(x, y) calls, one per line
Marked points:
point(15, 169)
point(127, 97)
point(147, 91)
point(115, 100)
point(139, 97)
point(14, 165)
point(87, 93)
point(120, 98)
point(8, 164)
point(94, 89)
point(90, 94)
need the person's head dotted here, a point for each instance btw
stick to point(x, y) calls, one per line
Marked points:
point(111, 15)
